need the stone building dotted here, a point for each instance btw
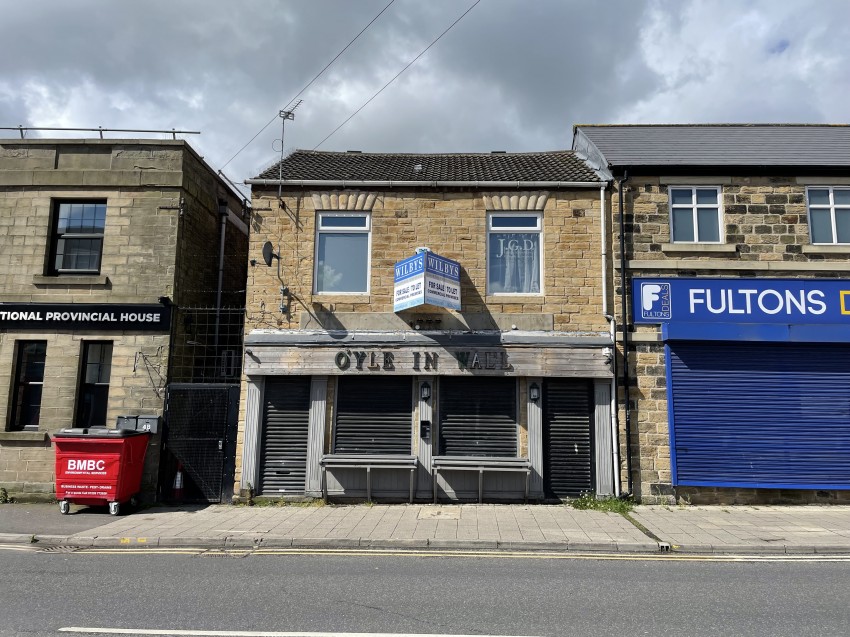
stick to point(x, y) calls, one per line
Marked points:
point(427, 326)
point(736, 275)
point(103, 245)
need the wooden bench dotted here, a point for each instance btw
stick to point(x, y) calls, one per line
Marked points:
point(480, 464)
point(367, 462)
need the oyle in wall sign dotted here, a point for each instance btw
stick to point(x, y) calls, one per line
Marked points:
point(354, 360)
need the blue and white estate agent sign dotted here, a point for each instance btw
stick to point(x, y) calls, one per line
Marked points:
point(742, 301)
point(426, 278)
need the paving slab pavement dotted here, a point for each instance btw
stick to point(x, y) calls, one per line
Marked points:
point(749, 529)
point(648, 529)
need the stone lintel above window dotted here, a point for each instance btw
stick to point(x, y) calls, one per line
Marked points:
point(344, 200)
point(516, 200)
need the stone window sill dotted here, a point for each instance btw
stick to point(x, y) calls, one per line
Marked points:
point(324, 299)
point(82, 279)
point(23, 436)
point(713, 248)
point(515, 298)
point(826, 249)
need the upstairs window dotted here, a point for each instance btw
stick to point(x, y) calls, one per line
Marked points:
point(513, 253)
point(342, 252)
point(829, 215)
point(77, 238)
point(695, 215)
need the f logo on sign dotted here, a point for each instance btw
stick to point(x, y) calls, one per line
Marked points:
point(655, 301)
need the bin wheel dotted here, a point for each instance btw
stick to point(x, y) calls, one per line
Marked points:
point(64, 507)
point(114, 508)
point(134, 502)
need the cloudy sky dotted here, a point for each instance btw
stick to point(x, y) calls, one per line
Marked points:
point(512, 75)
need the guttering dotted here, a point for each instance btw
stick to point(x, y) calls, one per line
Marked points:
point(624, 292)
point(360, 183)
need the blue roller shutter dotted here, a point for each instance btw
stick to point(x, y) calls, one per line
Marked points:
point(761, 415)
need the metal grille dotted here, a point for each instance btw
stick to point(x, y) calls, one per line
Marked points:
point(567, 438)
point(478, 417)
point(374, 416)
point(286, 421)
point(769, 415)
point(207, 345)
point(201, 423)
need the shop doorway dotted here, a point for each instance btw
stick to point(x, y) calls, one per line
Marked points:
point(285, 427)
point(568, 450)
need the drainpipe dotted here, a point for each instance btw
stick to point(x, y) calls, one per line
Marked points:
point(222, 211)
point(612, 328)
point(624, 291)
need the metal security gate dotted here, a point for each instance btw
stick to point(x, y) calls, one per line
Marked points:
point(760, 415)
point(374, 417)
point(478, 417)
point(567, 438)
point(200, 435)
point(286, 421)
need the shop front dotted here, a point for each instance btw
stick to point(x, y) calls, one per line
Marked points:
point(757, 372)
point(424, 415)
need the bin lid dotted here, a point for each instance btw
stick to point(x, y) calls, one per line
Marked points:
point(97, 432)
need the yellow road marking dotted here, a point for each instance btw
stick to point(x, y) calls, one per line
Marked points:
point(681, 557)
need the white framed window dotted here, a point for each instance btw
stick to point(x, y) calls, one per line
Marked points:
point(514, 253)
point(343, 246)
point(829, 214)
point(695, 214)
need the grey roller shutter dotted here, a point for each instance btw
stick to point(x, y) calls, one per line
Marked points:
point(760, 415)
point(374, 416)
point(286, 419)
point(478, 417)
point(567, 437)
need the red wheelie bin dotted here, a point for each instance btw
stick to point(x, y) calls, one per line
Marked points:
point(99, 466)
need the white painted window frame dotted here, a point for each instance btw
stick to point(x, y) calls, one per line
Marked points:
point(695, 207)
point(538, 229)
point(831, 207)
point(320, 215)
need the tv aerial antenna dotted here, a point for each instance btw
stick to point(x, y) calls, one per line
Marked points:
point(284, 115)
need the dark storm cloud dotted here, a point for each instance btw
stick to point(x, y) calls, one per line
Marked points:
point(512, 75)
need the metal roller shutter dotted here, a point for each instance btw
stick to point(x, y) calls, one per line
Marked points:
point(567, 438)
point(374, 415)
point(770, 415)
point(478, 417)
point(286, 419)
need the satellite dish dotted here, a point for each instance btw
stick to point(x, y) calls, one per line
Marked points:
point(268, 253)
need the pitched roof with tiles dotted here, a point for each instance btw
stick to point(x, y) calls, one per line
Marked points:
point(311, 165)
point(716, 144)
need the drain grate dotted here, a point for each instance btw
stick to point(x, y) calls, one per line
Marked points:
point(59, 549)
